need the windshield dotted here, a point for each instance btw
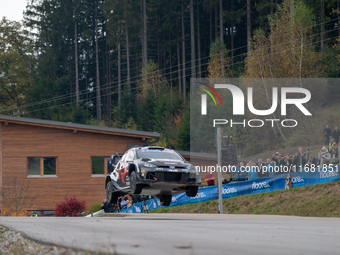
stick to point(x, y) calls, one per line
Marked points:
point(158, 154)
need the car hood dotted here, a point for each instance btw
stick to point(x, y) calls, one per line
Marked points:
point(169, 163)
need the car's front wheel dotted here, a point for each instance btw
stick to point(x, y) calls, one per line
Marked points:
point(165, 200)
point(192, 191)
point(111, 196)
point(134, 187)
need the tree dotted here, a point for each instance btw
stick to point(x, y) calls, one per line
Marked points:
point(248, 26)
point(17, 64)
point(16, 197)
point(288, 51)
point(219, 61)
point(192, 36)
point(144, 34)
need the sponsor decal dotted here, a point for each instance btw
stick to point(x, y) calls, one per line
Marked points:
point(228, 192)
point(199, 195)
point(260, 186)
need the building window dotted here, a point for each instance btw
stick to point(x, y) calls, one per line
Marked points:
point(33, 166)
point(39, 166)
point(99, 166)
point(49, 166)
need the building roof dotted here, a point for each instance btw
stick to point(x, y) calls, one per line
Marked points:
point(78, 127)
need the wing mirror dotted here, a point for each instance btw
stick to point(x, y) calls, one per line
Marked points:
point(114, 159)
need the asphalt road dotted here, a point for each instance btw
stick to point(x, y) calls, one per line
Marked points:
point(186, 233)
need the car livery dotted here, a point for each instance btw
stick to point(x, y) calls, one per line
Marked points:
point(155, 171)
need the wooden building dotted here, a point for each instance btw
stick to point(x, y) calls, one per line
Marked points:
point(43, 161)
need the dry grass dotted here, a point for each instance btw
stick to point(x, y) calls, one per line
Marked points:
point(319, 200)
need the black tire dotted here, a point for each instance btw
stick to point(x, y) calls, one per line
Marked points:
point(192, 191)
point(111, 196)
point(135, 188)
point(165, 200)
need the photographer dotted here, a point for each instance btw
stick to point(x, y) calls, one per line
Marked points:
point(277, 159)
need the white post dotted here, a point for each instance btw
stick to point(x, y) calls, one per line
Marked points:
point(219, 172)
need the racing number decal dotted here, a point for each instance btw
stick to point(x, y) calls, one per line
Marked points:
point(123, 174)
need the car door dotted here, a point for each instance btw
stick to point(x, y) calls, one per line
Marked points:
point(123, 169)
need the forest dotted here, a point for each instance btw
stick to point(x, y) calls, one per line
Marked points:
point(128, 63)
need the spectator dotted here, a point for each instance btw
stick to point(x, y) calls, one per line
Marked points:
point(312, 162)
point(277, 159)
point(270, 168)
point(331, 144)
point(335, 151)
point(33, 214)
point(104, 204)
point(259, 167)
point(287, 161)
point(225, 181)
point(300, 158)
point(324, 156)
point(144, 208)
point(336, 135)
point(107, 207)
point(252, 171)
point(123, 203)
point(128, 202)
point(308, 152)
point(327, 132)
point(210, 179)
point(241, 175)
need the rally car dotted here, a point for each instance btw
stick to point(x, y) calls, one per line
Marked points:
point(154, 171)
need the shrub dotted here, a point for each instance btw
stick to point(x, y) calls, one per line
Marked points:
point(70, 207)
point(93, 208)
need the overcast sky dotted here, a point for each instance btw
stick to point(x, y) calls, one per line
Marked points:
point(12, 9)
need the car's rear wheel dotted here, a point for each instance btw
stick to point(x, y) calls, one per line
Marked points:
point(134, 187)
point(192, 191)
point(165, 200)
point(111, 196)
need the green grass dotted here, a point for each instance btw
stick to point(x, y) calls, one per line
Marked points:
point(319, 200)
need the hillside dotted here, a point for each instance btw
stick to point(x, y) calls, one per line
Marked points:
point(309, 134)
point(319, 200)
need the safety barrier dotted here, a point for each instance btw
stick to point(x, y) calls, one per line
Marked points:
point(280, 182)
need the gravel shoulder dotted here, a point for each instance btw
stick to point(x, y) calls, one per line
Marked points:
point(13, 243)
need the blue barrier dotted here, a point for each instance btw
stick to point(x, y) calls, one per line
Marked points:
point(298, 179)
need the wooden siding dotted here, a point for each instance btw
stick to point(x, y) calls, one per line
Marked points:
point(73, 151)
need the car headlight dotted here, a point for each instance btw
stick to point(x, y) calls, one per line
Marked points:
point(191, 168)
point(146, 164)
